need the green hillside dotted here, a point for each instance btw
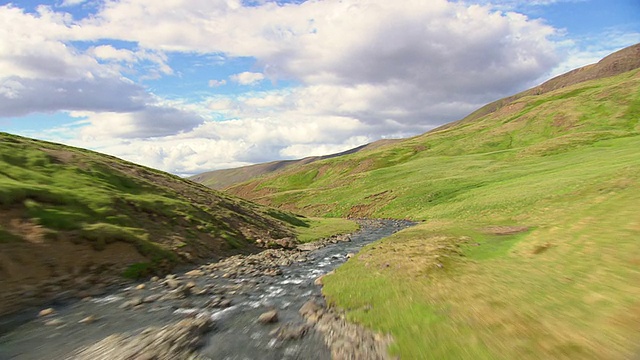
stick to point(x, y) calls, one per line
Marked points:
point(220, 179)
point(71, 212)
point(530, 236)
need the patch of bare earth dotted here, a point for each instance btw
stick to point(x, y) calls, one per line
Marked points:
point(504, 230)
point(33, 273)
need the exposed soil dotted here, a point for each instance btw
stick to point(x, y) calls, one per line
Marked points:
point(32, 274)
point(505, 230)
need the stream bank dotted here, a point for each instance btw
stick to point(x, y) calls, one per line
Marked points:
point(251, 305)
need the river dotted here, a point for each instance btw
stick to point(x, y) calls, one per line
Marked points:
point(233, 302)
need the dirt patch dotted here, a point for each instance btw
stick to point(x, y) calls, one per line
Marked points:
point(360, 211)
point(377, 201)
point(59, 156)
point(510, 109)
point(542, 248)
point(504, 230)
point(35, 273)
point(564, 122)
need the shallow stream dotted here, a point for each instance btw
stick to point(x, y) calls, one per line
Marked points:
point(237, 333)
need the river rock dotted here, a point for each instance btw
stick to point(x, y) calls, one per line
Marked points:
point(286, 243)
point(54, 322)
point(89, 320)
point(172, 283)
point(268, 317)
point(176, 341)
point(346, 340)
point(135, 301)
point(290, 332)
point(310, 307)
point(194, 273)
point(46, 312)
point(152, 298)
point(140, 287)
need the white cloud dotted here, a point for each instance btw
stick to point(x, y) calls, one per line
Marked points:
point(363, 70)
point(592, 48)
point(40, 72)
point(247, 78)
point(217, 83)
point(68, 3)
point(148, 122)
point(445, 51)
point(108, 52)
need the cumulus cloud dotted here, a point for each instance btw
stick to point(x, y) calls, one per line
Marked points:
point(216, 145)
point(247, 78)
point(148, 122)
point(67, 3)
point(363, 70)
point(40, 72)
point(423, 55)
point(216, 83)
point(19, 96)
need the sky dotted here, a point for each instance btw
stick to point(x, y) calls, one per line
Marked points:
point(188, 86)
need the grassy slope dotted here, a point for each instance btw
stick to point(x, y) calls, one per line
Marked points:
point(221, 179)
point(560, 171)
point(320, 228)
point(77, 192)
point(65, 210)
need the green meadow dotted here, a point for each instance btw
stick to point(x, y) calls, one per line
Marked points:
point(528, 244)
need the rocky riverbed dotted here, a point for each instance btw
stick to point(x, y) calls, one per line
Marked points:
point(261, 306)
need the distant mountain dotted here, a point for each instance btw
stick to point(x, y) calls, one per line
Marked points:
point(69, 213)
point(220, 179)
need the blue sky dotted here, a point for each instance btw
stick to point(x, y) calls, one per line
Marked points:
point(188, 86)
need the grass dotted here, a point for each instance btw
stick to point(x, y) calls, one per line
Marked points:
point(97, 199)
point(562, 169)
point(320, 228)
point(505, 298)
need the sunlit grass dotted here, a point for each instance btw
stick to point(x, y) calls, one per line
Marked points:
point(86, 197)
point(530, 236)
point(319, 228)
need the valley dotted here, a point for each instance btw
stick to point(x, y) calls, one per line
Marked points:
point(512, 233)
